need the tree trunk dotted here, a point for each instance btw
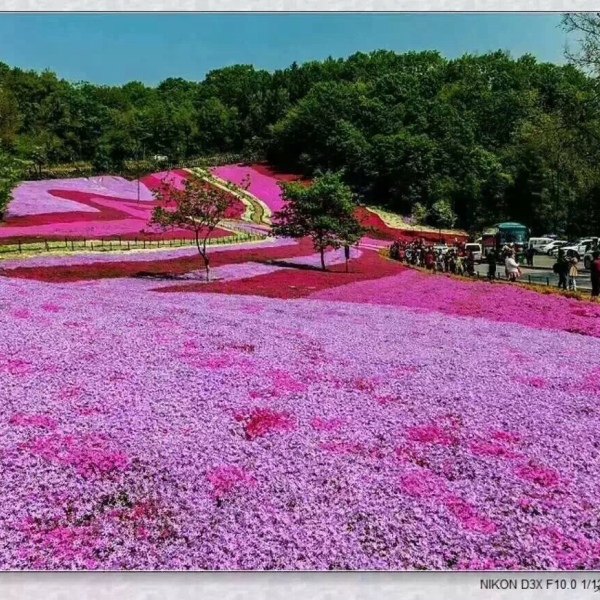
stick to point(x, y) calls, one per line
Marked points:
point(323, 259)
point(202, 252)
point(206, 259)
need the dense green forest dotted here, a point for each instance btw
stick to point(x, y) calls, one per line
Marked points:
point(472, 140)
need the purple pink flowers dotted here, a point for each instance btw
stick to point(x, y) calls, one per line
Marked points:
point(285, 418)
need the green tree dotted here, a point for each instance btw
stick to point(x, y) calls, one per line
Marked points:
point(199, 208)
point(323, 211)
point(11, 172)
point(419, 213)
point(442, 215)
point(9, 117)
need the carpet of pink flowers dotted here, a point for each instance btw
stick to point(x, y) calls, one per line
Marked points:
point(92, 208)
point(284, 418)
point(146, 430)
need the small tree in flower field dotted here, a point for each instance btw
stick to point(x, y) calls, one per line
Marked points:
point(323, 211)
point(199, 207)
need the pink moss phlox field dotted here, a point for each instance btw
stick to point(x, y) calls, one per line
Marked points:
point(175, 179)
point(497, 302)
point(264, 187)
point(40, 197)
point(143, 430)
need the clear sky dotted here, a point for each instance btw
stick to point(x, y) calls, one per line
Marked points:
point(116, 48)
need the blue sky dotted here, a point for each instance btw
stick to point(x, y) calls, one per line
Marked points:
point(116, 48)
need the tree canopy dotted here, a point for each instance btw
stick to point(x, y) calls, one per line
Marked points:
point(323, 211)
point(489, 137)
point(199, 207)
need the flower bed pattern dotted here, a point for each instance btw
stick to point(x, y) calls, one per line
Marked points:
point(497, 302)
point(332, 436)
point(98, 207)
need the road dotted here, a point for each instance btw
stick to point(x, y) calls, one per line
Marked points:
point(541, 273)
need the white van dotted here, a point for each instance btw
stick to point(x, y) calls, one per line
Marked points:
point(475, 249)
point(537, 243)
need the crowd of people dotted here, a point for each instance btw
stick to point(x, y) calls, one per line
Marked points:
point(457, 260)
point(454, 260)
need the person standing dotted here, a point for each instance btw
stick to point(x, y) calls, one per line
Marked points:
point(530, 254)
point(512, 267)
point(573, 273)
point(401, 253)
point(491, 260)
point(452, 262)
point(429, 259)
point(470, 264)
point(561, 268)
point(595, 273)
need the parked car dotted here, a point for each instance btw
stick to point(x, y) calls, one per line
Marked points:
point(539, 242)
point(548, 248)
point(587, 257)
point(476, 249)
point(578, 249)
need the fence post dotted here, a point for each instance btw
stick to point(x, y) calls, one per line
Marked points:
point(66, 243)
point(128, 246)
point(85, 243)
point(547, 280)
point(20, 246)
point(529, 278)
point(46, 245)
point(92, 244)
point(110, 245)
point(144, 242)
point(72, 245)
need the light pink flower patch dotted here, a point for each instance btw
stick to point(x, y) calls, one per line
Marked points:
point(15, 366)
point(536, 382)
point(506, 436)
point(285, 382)
point(422, 484)
point(543, 476)
point(431, 434)
point(190, 348)
point(227, 480)
point(41, 421)
point(69, 543)
point(89, 455)
point(494, 449)
point(51, 308)
point(218, 362)
point(468, 517)
point(388, 399)
point(21, 313)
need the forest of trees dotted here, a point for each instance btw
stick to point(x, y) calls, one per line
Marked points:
point(473, 140)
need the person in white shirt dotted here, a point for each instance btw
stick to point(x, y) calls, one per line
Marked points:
point(512, 267)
